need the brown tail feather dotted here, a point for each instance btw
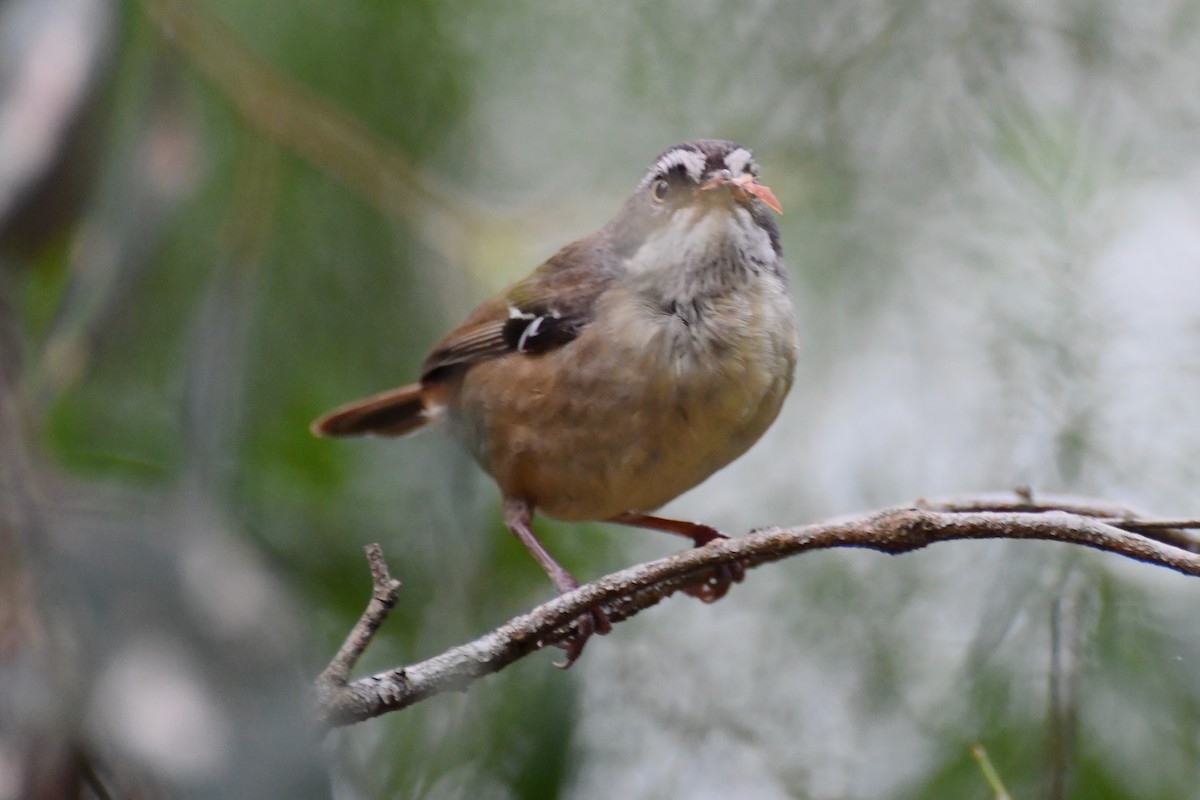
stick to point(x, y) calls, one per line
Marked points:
point(392, 413)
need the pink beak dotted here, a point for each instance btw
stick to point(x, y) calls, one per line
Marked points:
point(743, 187)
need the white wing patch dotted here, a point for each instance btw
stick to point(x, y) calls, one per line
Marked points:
point(534, 327)
point(531, 330)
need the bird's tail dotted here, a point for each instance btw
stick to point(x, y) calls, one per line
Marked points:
point(391, 413)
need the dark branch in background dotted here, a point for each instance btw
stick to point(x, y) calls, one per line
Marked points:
point(308, 125)
point(1092, 523)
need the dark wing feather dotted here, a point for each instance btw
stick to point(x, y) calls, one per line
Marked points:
point(545, 311)
point(534, 332)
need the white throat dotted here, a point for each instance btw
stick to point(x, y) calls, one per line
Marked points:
point(701, 252)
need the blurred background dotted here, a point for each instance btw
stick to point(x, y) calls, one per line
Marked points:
point(219, 219)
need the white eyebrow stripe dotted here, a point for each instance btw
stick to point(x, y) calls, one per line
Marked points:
point(738, 160)
point(692, 162)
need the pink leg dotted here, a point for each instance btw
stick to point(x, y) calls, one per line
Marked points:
point(724, 576)
point(517, 517)
point(699, 534)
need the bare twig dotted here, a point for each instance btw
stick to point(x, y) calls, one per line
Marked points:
point(623, 594)
point(1169, 531)
point(383, 598)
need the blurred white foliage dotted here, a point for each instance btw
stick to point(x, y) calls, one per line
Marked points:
point(49, 52)
point(1009, 296)
point(150, 702)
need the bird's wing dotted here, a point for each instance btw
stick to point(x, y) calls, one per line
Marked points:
point(545, 311)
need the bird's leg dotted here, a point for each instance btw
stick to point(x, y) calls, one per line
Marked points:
point(723, 577)
point(518, 514)
point(699, 534)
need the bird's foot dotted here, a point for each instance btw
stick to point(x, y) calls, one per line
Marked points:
point(717, 584)
point(517, 516)
point(594, 621)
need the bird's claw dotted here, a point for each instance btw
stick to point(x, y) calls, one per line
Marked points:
point(716, 584)
point(594, 621)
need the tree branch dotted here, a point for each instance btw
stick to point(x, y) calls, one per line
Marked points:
point(383, 598)
point(1091, 523)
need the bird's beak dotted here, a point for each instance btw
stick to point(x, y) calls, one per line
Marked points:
point(744, 187)
point(764, 193)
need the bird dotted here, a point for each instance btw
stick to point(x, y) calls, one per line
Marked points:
point(626, 369)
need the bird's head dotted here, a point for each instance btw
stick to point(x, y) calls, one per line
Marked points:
point(698, 220)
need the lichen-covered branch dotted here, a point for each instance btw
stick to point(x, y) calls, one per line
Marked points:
point(1091, 523)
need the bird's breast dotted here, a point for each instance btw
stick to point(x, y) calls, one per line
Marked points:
point(645, 404)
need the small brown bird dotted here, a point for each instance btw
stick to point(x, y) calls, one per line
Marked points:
point(628, 368)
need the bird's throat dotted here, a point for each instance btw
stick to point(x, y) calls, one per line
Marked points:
point(701, 253)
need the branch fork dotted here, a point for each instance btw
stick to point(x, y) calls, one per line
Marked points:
point(1100, 525)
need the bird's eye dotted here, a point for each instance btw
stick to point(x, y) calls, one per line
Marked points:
point(661, 187)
